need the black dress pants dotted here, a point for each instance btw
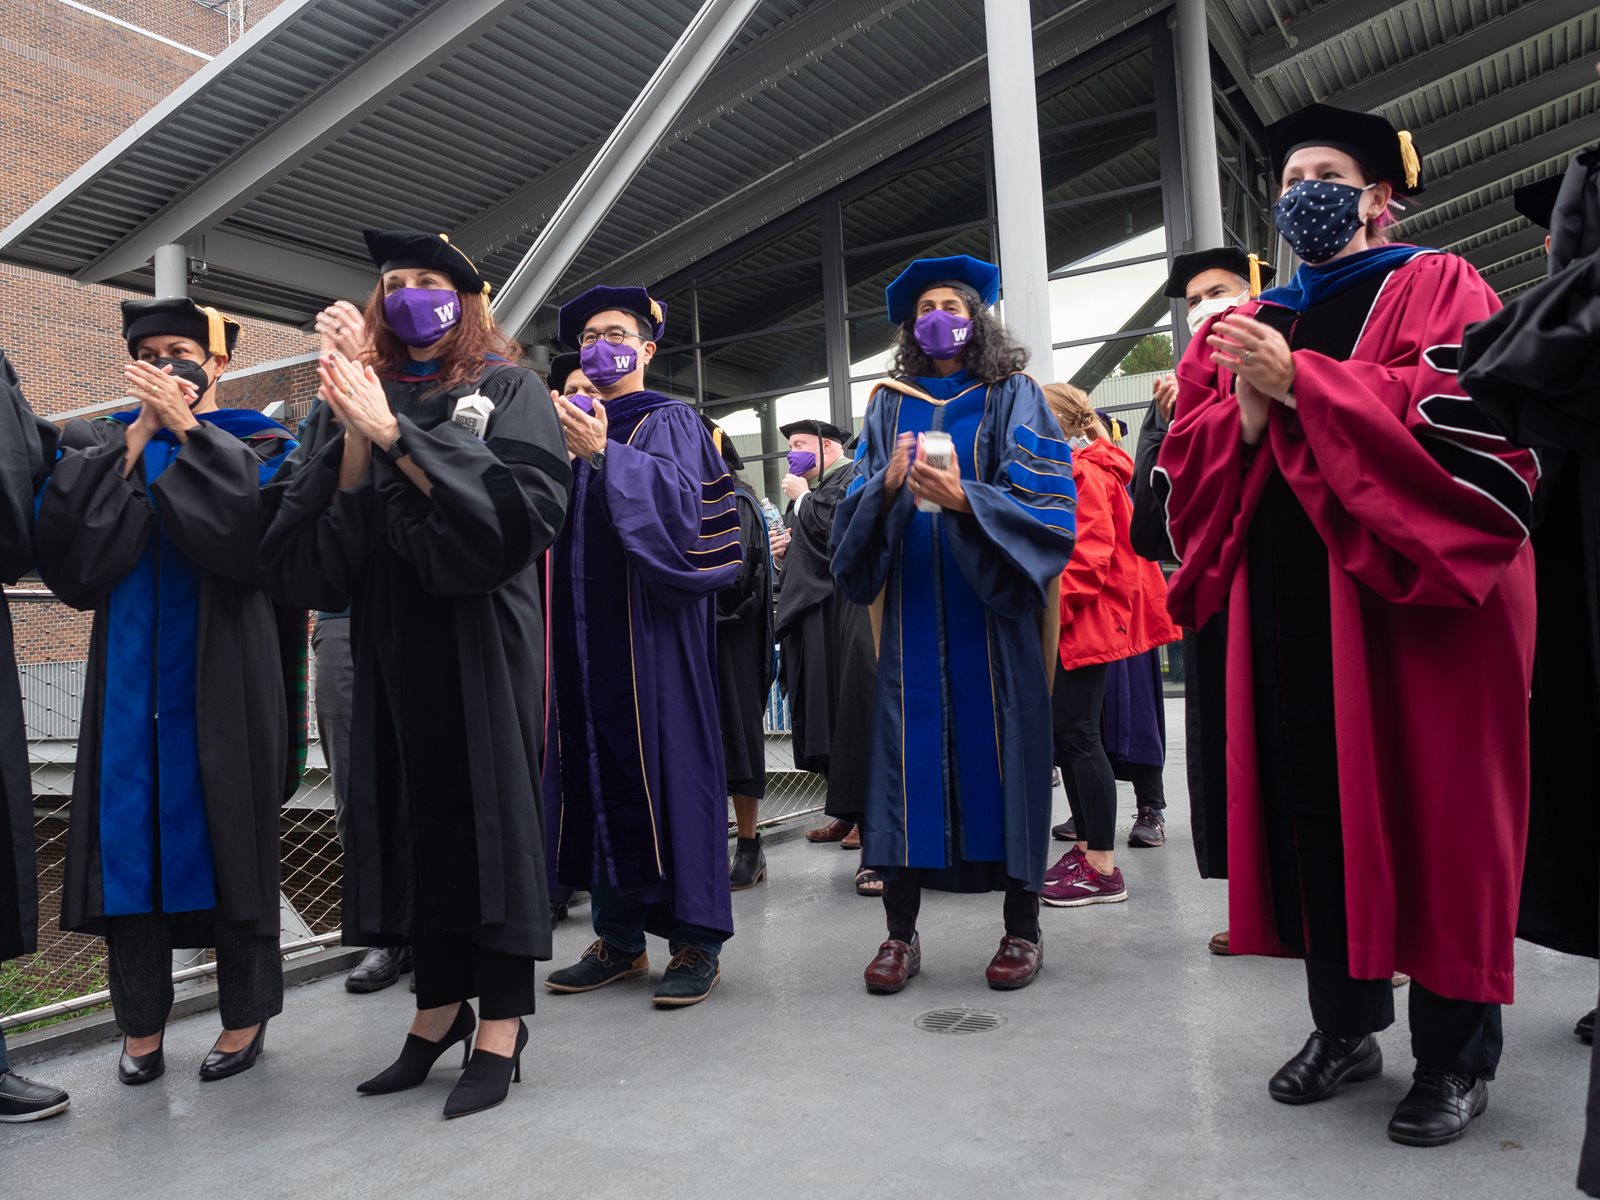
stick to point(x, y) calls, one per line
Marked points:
point(139, 970)
point(1077, 702)
point(902, 901)
point(451, 967)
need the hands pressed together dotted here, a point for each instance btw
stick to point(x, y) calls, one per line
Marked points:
point(586, 434)
point(355, 394)
point(1262, 365)
point(164, 399)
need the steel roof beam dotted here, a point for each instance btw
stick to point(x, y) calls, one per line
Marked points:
point(1479, 220)
point(271, 263)
point(709, 33)
point(414, 50)
point(1518, 274)
point(1227, 39)
point(780, 54)
point(1506, 106)
point(1478, 44)
point(1056, 39)
point(1503, 249)
point(1293, 40)
point(1523, 156)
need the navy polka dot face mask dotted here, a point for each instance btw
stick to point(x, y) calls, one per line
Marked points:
point(1318, 218)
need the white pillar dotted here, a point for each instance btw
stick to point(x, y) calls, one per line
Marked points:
point(1197, 108)
point(172, 270)
point(1018, 181)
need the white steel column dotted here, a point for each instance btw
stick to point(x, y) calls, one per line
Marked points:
point(1019, 185)
point(172, 270)
point(1197, 109)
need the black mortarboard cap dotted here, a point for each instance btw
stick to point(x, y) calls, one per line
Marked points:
point(822, 429)
point(403, 249)
point(561, 366)
point(1227, 258)
point(1537, 200)
point(1386, 154)
point(179, 317)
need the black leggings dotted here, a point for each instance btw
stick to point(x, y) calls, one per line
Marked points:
point(902, 901)
point(1077, 701)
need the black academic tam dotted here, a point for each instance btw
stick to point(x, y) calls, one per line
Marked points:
point(1186, 266)
point(815, 428)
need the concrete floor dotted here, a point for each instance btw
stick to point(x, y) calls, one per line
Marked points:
point(1135, 1067)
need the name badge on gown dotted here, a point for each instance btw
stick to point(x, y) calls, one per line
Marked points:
point(472, 413)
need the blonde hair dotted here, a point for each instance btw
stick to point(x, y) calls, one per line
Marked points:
point(1074, 410)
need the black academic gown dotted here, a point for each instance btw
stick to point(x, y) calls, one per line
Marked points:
point(744, 655)
point(448, 638)
point(27, 450)
point(201, 789)
point(829, 667)
point(1205, 656)
point(1534, 369)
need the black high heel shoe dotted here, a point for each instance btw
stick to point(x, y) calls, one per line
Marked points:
point(220, 1064)
point(134, 1069)
point(418, 1055)
point(486, 1080)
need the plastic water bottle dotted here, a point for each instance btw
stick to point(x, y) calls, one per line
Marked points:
point(773, 516)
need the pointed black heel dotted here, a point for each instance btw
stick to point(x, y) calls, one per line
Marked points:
point(221, 1064)
point(418, 1055)
point(134, 1069)
point(487, 1080)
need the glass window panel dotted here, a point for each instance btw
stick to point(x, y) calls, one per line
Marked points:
point(794, 358)
point(671, 372)
point(1084, 231)
point(782, 296)
point(1114, 298)
point(870, 340)
point(952, 190)
point(1098, 365)
point(680, 318)
point(869, 272)
point(1098, 131)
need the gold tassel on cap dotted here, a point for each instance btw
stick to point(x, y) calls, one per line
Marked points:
point(1409, 159)
point(716, 439)
point(216, 330)
point(1255, 276)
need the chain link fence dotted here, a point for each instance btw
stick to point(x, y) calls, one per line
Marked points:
point(68, 973)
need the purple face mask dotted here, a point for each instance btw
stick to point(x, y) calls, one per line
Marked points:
point(801, 461)
point(421, 316)
point(942, 335)
point(607, 362)
point(583, 400)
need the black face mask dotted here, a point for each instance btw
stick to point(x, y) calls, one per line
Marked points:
point(188, 371)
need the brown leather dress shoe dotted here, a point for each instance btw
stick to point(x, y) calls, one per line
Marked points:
point(1219, 943)
point(1015, 964)
point(896, 963)
point(852, 840)
point(833, 831)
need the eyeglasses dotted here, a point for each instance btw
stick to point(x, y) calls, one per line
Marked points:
point(615, 335)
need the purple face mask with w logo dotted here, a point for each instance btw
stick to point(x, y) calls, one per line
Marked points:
point(942, 335)
point(421, 316)
point(607, 362)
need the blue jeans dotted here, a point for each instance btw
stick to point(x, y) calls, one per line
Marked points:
point(5, 1063)
point(620, 920)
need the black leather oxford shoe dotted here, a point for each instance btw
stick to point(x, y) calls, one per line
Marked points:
point(1438, 1108)
point(1323, 1065)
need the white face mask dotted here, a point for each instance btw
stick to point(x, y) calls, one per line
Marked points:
point(1078, 443)
point(1200, 313)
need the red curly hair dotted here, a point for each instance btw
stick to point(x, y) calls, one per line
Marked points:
point(462, 352)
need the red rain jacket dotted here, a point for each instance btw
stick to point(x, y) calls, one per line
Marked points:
point(1113, 603)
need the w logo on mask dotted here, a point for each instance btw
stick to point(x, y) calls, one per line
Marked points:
point(624, 361)
point(960, 334)
point(445, 312)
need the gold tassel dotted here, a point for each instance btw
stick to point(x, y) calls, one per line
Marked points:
point(216, 330)
point(716, 439)
point(1409, 159)
point(1255, 276)
point(655, 310)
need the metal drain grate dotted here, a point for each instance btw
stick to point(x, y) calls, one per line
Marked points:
point(959, 1020)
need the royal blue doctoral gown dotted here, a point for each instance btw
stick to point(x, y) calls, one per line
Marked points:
point(635, 771)
point(964, 608)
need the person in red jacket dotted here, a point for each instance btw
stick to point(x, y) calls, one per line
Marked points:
point(1113, 606)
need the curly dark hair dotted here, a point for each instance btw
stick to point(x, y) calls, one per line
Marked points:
point(990, 356)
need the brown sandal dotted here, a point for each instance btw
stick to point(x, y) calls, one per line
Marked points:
point(868, 882)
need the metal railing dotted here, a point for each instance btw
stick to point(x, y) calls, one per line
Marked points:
point(67, 974)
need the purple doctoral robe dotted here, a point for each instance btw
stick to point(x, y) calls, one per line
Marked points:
point(635, 770)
